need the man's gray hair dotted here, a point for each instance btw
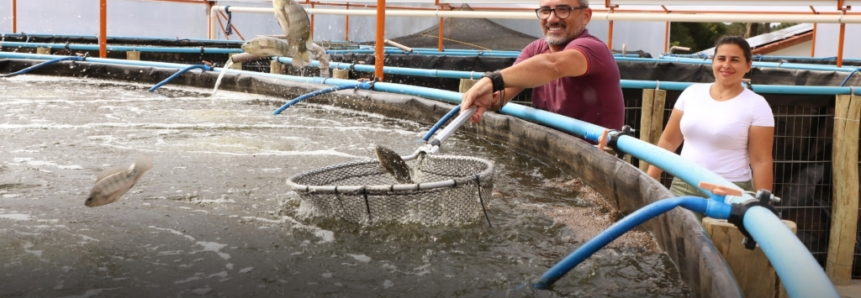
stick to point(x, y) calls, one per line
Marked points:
point(584, 3)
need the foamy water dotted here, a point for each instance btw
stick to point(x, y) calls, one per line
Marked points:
point(214, 217)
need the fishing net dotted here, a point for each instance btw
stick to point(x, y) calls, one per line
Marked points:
point(448, 190)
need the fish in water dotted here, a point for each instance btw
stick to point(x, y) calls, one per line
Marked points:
point(394, 164)
point(113, 183)
point(296, 25)
point(267, 46)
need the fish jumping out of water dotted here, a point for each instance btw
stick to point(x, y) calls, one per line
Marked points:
point(113, 183)
point(394, 164)
point(267, 46)
point(296, 25)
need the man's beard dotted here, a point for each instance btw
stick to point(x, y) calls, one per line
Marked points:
point(563, 40)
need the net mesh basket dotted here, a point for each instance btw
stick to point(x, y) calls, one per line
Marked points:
point(449, 190)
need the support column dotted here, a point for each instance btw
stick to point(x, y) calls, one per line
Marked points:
point(652, 118)
point(844, 223)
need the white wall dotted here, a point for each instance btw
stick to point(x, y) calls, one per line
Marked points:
point(646, 36)
point(827, 37)
point(799, 50)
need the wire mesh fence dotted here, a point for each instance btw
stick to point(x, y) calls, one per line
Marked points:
point(802, 163)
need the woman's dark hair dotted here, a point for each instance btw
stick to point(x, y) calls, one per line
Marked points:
point(736, 40)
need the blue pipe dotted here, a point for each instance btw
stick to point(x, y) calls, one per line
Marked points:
point(711, 208)
point(801, 274)
point(760, 57)
point(430, 73)
point(363, 85)
point(429, 53)
point(173, 76)
point(441, 121)
point(127, 38)
point(666, 59)
point(49, 62)
point(629, 84)
point(186, 50)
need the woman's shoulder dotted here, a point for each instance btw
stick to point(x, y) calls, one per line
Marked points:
point(754, 97)
point(698, 87)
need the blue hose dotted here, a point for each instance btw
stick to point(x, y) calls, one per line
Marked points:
point(49, 62)
point(178, 73)
point(441, 122)
point(849, 76)
point(363, 85)
point(711, 208)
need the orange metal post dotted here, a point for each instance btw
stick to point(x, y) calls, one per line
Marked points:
point(14, 16)
point(223, 31)
point(347, 24)
point(813, 42)
point(610, 37)
point(441, 25)
point(103, 29)
point(840, 45)
point(667, 38)
point(211, 34)
point(231, 26)
point(379, 57)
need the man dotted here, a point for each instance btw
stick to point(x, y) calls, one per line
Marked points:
point(572, 73)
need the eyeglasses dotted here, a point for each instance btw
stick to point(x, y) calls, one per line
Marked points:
point(562, 12)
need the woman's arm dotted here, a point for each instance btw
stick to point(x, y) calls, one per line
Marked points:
point(670, 140)
point(759, 146)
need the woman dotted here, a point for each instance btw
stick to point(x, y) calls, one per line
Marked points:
point(726, 128)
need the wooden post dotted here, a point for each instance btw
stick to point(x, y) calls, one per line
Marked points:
point(275, 67)
point(751, 268)
point(133, 55)
point(844, 224)
point(341, 74)
point(45, 51)
point(652, 118)
point(237, 65)
point(465, 84)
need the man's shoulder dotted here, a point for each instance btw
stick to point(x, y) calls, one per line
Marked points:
point(586, 40)
point(536, 47)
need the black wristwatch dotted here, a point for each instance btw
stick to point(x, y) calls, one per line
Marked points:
point(496, 79)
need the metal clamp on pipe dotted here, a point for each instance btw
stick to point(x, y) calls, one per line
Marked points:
point(764, 198)
point(614, 136)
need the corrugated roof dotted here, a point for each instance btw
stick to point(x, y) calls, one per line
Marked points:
point(767, 38)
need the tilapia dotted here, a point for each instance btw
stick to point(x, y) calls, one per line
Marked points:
point(394, 164)
point(296, 25)
point(113, 183)
point(267, 46)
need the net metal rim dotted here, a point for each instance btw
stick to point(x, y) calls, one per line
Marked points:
point(388, 188)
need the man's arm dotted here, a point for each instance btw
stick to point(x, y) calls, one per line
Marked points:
point(544, 68)
point(533, 72)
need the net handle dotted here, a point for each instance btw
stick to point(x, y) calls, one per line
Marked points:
point(433, 145)
point(455, 124)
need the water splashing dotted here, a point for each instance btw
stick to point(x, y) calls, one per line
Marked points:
point(220, 76)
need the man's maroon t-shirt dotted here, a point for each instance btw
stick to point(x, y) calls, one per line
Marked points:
point(594, 97)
